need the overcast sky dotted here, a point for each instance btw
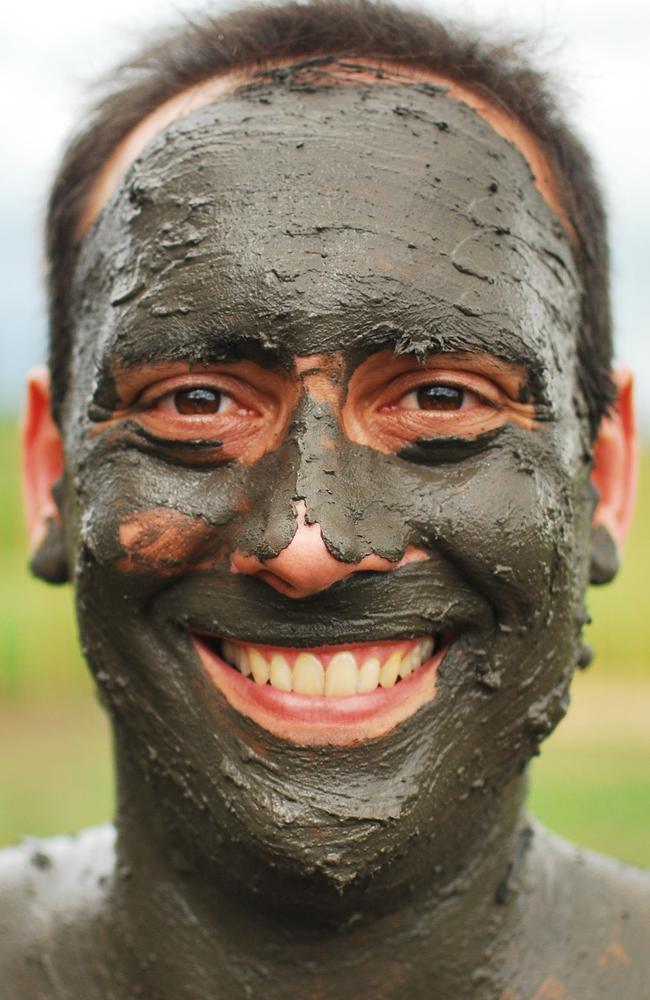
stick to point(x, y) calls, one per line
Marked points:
point(598, 51)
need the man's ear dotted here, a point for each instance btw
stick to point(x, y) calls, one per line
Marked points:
point(614, 475)
point(42, 472)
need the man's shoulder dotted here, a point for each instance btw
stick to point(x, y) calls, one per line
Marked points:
point(610, 884)
point(61, 871)
point(600, 927)
point(46, 886)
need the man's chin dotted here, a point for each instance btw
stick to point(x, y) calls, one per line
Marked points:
point(326, 696)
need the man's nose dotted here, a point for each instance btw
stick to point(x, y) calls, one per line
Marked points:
point(306, 566)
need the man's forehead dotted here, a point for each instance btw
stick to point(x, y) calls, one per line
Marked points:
point(284, 222)
point(324, 72)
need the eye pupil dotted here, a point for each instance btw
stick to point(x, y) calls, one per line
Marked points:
point(440, 397)
point(197, 401)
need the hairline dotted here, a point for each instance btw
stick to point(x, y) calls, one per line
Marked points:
point(207, 92)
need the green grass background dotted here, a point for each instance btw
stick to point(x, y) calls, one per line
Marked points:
point(591, 782)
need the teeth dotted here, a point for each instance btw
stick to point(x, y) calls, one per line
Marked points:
point(411, 661)
point(245, 661)
point(369, 675)
point(390, 670)
point(338, 678)
point(259, 666)
point(341, 678)
point(426, 649)
point(280, 675)
point(406, 663)
point(405, 666)
point(308, 674)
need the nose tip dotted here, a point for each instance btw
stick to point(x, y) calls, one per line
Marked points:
point(306, 566)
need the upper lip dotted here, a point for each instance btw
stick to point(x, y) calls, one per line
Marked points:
point(359, 644)
point(345, 637)
point(363, 608)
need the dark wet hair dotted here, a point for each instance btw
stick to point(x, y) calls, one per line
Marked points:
point(257, 36)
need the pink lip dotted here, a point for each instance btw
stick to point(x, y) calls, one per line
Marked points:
point(310, 720)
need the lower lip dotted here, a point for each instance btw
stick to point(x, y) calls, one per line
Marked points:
point(309, 720)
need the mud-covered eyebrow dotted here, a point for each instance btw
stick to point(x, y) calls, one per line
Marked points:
point(118, 362)
point(139, 348)
point(503, 346)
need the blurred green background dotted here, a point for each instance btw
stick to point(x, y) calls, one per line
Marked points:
point(591, 782)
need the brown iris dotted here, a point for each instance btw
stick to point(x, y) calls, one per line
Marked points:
point(198, 400)
point(440, 397)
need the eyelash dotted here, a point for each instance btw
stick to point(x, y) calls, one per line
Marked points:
point(222, 399)
point(465, 402)
point(487, 395)
point(163, 402)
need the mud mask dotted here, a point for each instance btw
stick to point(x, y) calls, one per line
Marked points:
point(278, 225)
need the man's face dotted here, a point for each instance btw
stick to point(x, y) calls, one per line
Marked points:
point(351, 303)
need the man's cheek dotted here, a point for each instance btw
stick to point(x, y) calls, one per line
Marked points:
point(497, 519)
point(512, 527)
point(167, 543)
point(139, 516)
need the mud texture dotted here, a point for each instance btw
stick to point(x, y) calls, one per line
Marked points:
point(280, 223)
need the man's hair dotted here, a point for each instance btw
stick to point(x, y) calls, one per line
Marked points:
point(259, 36)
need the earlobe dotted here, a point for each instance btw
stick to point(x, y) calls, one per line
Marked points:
point(614, 475)
point(42, 471)
point(604, 560)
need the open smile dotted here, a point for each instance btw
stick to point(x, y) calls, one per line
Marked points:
point(329, 694)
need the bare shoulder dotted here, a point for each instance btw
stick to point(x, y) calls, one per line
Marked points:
point(592, 914)
point(615, 894)
point(49, 890)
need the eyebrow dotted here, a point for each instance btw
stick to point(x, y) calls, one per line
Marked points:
point(195, 348)
point(201, 345)
point(469, 336)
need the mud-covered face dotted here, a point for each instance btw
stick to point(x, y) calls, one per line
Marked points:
point(391, 233)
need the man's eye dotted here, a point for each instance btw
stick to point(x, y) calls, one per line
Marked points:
point(196, 401)
point(437, 397)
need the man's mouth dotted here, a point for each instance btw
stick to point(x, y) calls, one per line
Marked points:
point(329, 694)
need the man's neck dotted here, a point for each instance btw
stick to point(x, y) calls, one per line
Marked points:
point(180, 936)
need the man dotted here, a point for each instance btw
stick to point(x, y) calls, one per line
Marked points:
point(330, 457)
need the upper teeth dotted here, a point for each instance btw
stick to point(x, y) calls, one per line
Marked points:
point(347, 672)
